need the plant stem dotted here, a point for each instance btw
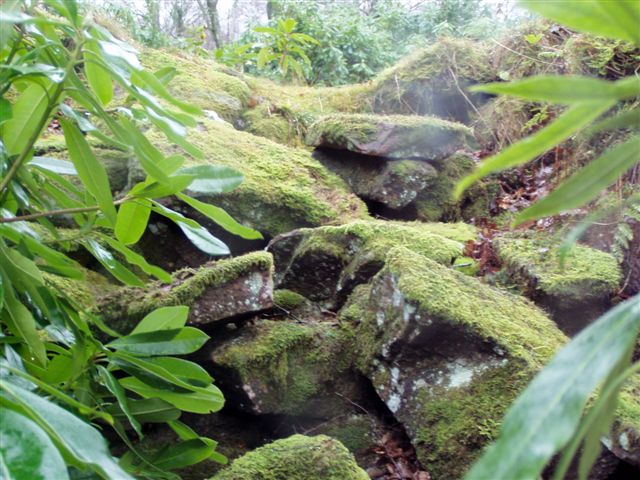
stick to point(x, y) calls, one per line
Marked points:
point(51, 104)
point(64, 211)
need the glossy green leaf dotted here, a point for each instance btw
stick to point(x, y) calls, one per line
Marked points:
point(117, 391)
point(147, 410)
point(183, 454)
point(614, 19)
point(137, 259)
point(26, 451)
point(185, 370)
point(151, 189)
point(546, 415)
point(197, 234)
point(132, 219)
point(22, 324)
point(166, 74)
point(114, 267)
point(206, 400)
point(55, 165)
point(624, 119)
point(27, 111)
point(90, 170)
point(78, 440)
point(148, 155)
point(561, 89)
point(180, 341)
point(98, 78)
point(164, 318)
point(213, 178)
point(575, 118)
point(586, 183)
point(221, 217)
point(159, 89)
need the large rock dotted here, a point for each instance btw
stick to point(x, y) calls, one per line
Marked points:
point(394, 184)
point(284, 366)
point(296, 458)
point(217, 291)
point(394, 136)
point(284, 188)
point(446, 353)
point(575, 293)
point(324, 264)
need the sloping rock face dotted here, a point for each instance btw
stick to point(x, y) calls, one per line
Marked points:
point(283, 188)
point(446, 354)
point(296, 458)
point(576, 293)
point(215, 292)
point(396, 136)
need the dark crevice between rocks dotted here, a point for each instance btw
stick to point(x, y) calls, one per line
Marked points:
point(383, 212)
point(164, 244)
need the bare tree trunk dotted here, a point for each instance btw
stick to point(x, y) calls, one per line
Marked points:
point(213, 21)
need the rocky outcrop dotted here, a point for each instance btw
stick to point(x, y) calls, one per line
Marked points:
point(576, 293)
point(446, 353)
point(325, 264)
point(394, 137)
point(216, 292)
point(296, 458)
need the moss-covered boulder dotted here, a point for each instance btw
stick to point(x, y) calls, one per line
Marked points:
point(201, 82)
point(394, 184)
point(624, 438)
point(284, 188)
point(324, 264)
point(286, 367)
point(435, 81)
point(436, 202)
point(576, 292)
point(394, 136)
point(446, 353)
point(217, 291)
point(296, 458)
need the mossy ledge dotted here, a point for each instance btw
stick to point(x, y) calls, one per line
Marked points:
point(284, 188)
point(123, 308)
point(393, 136)
point(296, 458)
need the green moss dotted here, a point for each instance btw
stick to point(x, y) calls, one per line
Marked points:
point(377, 237)
point(296, 458)
point(288, 299)
point(201, 82)
point(512, 322)
point(588, 274)
point(285, 363)
point(454, 424)
point(437, 203)
point(283, 189)
point(460, 231)
point(125, 307)
point(356, 432)
point(263, 122)
point(628, 411)
point(394, 136)
point(467, 265)
point(85, 291)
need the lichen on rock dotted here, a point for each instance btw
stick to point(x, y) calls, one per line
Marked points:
point(296, 458)
point(216, 291)
point(446, 353)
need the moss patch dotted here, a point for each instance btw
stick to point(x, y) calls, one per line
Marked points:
point(296, 458)
point(393, 136)
point(123, 309)
point(287, 299)
point(201, 82)
point(283, 189)
point(588, 273)
point(284, 364)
